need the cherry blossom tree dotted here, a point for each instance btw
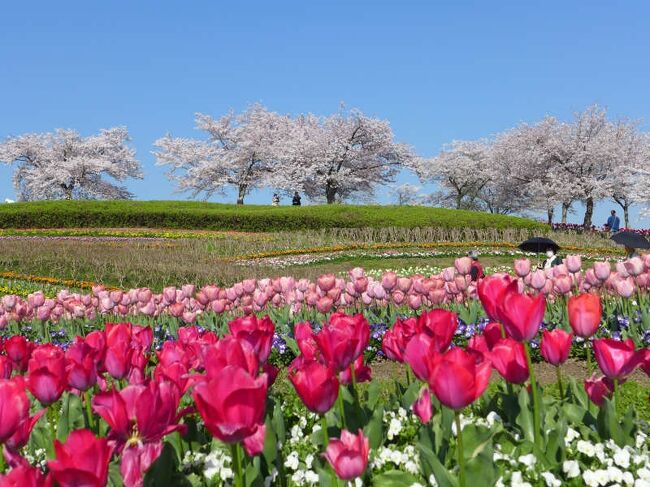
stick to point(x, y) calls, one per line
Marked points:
point(344, 155)
point(241, 151)
point(462, 170)
point(408, 194)
point(64, 165)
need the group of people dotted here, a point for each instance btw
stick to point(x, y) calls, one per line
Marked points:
point(295, 201)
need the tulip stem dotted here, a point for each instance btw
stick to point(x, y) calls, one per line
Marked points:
point(558, 372)
point(615, 394)
point(590, 365)
point(323, 423)
point(89, 411)
point(236, 465)
point(342, 410)
point(533, 385)
point(3, 466)
point(459, 451)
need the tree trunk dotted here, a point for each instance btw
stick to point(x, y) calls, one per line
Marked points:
point(459, 200)
point(565, 212)
point(589, 212)
point(550, 212)
point(241, 194)
point(330, 193)
point(626, 214)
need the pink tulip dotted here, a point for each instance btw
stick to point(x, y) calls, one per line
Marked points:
point(563, 285)
point(634, 266)
point(538, 280)
point(522, 267)
point(573, 263)
point(602, 270)
point(349, 455)
point(463, 265)
point(389, 280)
point(622, 270)
point(448, 274)
point(422, 406)
point(326, 282)
point(624, 287)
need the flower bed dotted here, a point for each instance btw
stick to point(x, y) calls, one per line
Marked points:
point(123, 406)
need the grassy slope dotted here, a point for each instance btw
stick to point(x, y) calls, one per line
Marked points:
point(191, 214)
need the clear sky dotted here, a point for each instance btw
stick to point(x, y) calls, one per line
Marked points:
point(437, 70)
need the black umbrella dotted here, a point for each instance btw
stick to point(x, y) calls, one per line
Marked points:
point(538, 245)
point(631, 239)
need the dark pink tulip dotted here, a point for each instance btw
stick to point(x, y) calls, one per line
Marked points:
point(46, 377)
point(230, 351)
point(521, 314)
point(440, 325)
point(232, 404)
point(616, 359)
point(14, 407)
point(257, 332)
point(81, 461)
point(362, 373)
point(342, 339)
point(315, 383)
point(419, 353)
point(254, 444)
point(397, 337)
point(555, 346)
point(490, 291)
point(459, 377)
point(422, 406)
point(19, 350)
point(21, 436)
point(305, 339)
point(6, 367)
point(349, 455)
point(598, 388)
point(81, 369)
point(508, 357)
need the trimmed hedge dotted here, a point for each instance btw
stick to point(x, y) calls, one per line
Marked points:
point(252, 218)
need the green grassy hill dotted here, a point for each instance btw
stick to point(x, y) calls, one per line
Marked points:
point(255, 218)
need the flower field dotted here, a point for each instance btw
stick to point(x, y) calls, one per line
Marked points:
point(272, 381)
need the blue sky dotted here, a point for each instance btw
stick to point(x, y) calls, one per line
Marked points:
point(437, 70)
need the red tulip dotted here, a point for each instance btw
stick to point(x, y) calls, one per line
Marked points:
point(80, 367)
point(6, 367)
point(257, 332)
point(521, 314)
point(82, 460)
point(342, 339)
point(396, 338)
point(21, 436)
point(231, 404)
point(305, 340)
point(598, 388)
point(315, 383)
point(119, 352)
point(490, 291)
point(230, 351)
point(23, 476)
point(645, 361)
point(422, 406)
point(254, 444)
point(349, 455)
point(616, 359)
point(508, 357)
point(585, 314)
point(419, 354)
point(555, 346)
point(14, 407)
point(459, 377)
point(46, 378)
point(440, 325)
point(362, 373)
point(19, 350)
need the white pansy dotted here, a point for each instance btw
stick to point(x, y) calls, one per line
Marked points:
point(641, 483)
point(302, 422)
point(589, 478)
point(614, 474)
point(316, 428)
point(226, 474)
point(643, 473)
point(641, 439)
point(492, 418)
point(571, 435)
point(298, 477)
point(571, 469)
point(292, 461)
point(432, 481)
point(309, 460)
point(311, 477)
point(599, 450)
point(628, 478)
point(416, 484)
point(622, 458)
point(528, 460)
point(586, 448)
point(394, 428)
point(411, 467)
point(550, 479)
point(517, 480)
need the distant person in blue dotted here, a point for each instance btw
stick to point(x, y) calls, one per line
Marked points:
point(613, 222)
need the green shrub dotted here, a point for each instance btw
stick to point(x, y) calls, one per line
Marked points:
point(253, 218)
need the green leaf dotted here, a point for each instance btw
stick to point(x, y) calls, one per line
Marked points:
point(411, 394)
point(374, 430)
point(72, 416)
point(252, 475)
point(163, 469)
point(394, 478)
point(373, 395)
point(326, 478)
point(431, 466)
point(525, 418)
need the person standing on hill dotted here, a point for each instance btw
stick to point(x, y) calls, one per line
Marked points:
point(276, 200)
point(476, 271)
point(613, 222)
point(296, 199)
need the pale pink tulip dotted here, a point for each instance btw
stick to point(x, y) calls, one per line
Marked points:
point(573, 263)
point(538, 279)
point(463, 265)
point(522, 267)
point(634, 266)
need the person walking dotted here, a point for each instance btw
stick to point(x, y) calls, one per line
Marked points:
point(613, 222)
point(276, 200)
point(476, 271)
point(552, 259)
point(296, 199)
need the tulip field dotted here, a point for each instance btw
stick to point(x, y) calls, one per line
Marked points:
point(273, 381)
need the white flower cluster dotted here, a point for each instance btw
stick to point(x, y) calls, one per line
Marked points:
point(397, 422)
point(596, 464)
point(217, 465)
point(407, 459)
point(299, 462)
